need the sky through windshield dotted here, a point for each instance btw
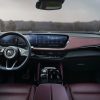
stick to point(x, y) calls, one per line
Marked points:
point(72, 10)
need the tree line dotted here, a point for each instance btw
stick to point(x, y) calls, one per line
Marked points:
point(48, 26)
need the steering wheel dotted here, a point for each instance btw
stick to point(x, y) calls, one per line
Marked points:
point(14, 53)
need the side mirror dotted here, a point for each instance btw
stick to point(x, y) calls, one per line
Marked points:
point(49, 4)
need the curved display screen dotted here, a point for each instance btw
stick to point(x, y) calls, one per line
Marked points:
point(48, 41)
point(37, 40)
point(8, 40)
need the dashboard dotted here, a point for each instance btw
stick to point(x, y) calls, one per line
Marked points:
point(54, 46)
point(47, 42)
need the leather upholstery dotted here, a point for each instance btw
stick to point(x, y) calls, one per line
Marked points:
point(51, 92)
point(85, 91)
point(43, 92)
point(59, 92)
point(16, 92)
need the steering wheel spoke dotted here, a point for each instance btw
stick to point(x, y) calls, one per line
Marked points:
point(23, 52)
point(1, 49)
point(11, 66)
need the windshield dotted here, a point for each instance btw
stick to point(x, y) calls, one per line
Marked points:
point(75, 15)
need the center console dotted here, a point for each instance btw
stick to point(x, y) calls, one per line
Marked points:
point(51, 92)
point(50, 73)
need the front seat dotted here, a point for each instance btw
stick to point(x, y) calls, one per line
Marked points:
point(85, 91)
point(16, 92)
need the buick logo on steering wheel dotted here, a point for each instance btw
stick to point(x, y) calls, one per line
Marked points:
point(10, 52)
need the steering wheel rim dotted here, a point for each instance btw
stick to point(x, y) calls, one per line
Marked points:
point(28, 48)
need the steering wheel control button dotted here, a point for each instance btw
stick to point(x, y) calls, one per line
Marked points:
point(10, 52)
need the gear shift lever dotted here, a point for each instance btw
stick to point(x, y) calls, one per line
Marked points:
point(50, 74)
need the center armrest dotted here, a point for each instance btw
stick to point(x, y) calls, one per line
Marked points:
point(51, 92)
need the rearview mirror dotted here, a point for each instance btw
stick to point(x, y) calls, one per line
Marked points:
point(49, 4)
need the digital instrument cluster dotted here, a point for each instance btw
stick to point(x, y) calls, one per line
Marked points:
point(37, 40)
